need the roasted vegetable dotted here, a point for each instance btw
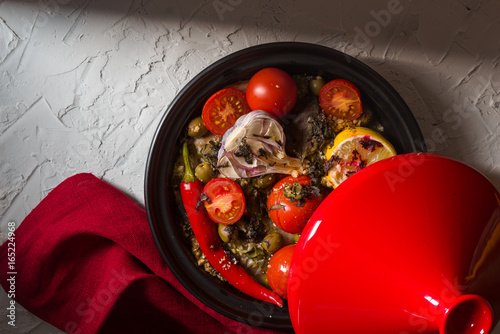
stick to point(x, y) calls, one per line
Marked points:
point(309, 131)
point(206, 233)
point(254, 146)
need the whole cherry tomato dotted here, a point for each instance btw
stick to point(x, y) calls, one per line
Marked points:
point(292, 201)
point(224, 200)
point(278, 270)
point(340, 98)
point(272, 90)
point(223, 108)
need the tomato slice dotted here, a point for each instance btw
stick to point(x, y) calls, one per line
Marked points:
point(224, 201)
point(223, 108)
point(340, 98)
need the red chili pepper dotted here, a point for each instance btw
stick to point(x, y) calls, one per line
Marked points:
point(205, 231)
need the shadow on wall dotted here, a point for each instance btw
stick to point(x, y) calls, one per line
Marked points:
point(411, 43)
point(369, 27)
point(426, 49)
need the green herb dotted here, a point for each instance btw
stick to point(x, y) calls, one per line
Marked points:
point(244, 151)
point(330, 163)
point(298, 193)
point(293, 190)
point(210, 153)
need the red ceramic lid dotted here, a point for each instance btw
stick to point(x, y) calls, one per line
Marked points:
point(394, 249)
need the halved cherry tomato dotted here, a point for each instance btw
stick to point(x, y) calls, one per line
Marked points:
point(224, 200)
point(272, 90)
point(340, 98)
point(278, 270)
point(223, 108)
point(291, 215)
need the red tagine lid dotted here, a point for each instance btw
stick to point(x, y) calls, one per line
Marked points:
point(403, 246)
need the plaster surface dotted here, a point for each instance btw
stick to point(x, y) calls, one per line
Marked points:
point(84, 83)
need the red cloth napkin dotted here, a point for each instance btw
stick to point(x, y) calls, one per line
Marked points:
point(86, 262)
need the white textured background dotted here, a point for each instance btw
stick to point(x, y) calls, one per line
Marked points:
point(83, 84)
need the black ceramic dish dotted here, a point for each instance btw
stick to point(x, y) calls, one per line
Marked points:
point(400, 126)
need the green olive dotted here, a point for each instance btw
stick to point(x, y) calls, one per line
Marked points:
point(227, 232)
point(272, 242)
point(197, 128)
point(204, 172)
point(316, 84)
point(265, 181)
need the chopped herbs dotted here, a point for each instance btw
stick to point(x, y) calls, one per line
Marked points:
point(210, 152)
point(321, 130)
point(244, 151)
point(330, 163)
point(369, 144)
point(299, 193)
point(315, 167)
point(355, 155)
point(250, 229)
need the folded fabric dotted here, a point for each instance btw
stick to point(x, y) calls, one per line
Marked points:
point(86, 262)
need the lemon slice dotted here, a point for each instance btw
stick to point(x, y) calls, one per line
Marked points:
point(354, 149)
